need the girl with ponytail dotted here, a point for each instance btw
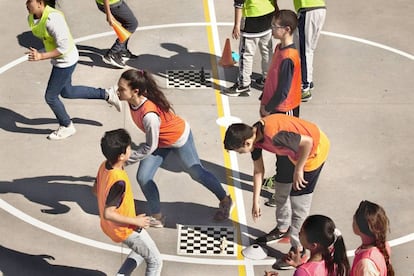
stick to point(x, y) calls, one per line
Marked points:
point(327, 249)
point(373, 256)
point(165, 133)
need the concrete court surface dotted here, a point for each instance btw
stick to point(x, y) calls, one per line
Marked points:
point(363, 100)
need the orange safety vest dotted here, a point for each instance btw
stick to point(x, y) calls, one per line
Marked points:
point(293, 98)
point(104, 181)
point(171, 128)
point(273, 124)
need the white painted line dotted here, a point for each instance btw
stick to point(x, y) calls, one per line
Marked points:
point(248, 263)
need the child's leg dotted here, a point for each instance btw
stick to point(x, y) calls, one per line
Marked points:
point(247, 49)
point(283, 210)
point(192, 165)
point(126, 17)
point(145, 177)
point(58, 79)
point(266, 50)
point(143, 248)
point(300, 210)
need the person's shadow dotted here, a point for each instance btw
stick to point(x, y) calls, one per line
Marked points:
point(10, 121)
point(14, 262)
point(52, 190)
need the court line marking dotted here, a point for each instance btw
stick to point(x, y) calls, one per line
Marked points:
point(82, 240)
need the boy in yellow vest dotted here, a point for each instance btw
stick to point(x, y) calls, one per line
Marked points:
point(252, 25)
point(117, 208)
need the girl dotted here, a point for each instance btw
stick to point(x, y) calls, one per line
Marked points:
point(49, 25)
point(327, 249)
point(373, 256)
point(165, 133)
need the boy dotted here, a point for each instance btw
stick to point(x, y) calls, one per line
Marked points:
point(282, 89)
point(252, 24)
point(311, 17)
point(307, 148)
point(118, 10)
point(117, 209)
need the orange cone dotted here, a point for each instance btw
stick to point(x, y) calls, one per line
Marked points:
point(122, 33)
point(226, 58)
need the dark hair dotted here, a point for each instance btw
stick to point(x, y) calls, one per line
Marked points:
point(287, 18)
point(50, 3)
point(236, 135)
point(321, 230)
point(114, 143)
point(373, 222)
point(145, 83)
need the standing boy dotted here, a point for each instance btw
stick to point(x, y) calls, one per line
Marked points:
point(117, 208)
point(118, 10)
point(307, 148)
point(252, 24)
point(282, 89)
point(311, 16)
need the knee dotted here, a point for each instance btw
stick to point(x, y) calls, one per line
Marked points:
point(51, 99)
point(143, 179)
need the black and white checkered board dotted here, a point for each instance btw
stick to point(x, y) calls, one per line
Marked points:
point(188, 79)
point(205, 240)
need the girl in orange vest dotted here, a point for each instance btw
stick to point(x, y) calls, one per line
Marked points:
point(372, 257)
point(165, 133)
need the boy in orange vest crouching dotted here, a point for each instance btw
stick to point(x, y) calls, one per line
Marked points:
point(117, 208)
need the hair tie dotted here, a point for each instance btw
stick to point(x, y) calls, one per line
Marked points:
point(336, 234)
point(140, 71)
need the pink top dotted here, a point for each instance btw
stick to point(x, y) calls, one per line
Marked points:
point(311, 268)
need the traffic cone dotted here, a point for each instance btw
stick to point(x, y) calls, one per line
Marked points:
point(122, 33)
point(226, 58)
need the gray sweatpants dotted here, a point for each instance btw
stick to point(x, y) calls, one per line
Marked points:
point(291, 210)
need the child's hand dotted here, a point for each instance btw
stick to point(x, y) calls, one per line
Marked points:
point(294, 258)
point(142, 221)
point(256, 212)
point(33, 54)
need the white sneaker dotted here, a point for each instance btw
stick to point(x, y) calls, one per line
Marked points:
point(113, 98)
point(62, 132)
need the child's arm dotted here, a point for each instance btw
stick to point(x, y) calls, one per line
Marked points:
point(94, 188)
point(305, 147)
point(258, 173)
point(111, 214)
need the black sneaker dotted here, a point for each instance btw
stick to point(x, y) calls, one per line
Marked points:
point(114, 59)
point(281, 264)
point(237, 90)
point(260, 82)
point(127, 55)
point(273, 236)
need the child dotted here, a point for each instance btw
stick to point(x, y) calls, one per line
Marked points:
point(165, 133)
point(282, 89)
point(117, 209)
point(49, 25)
point(327, 249)
point(118, 10)
point(307, 148)
point(252, 24)
point(373, 256)
point(311, 17)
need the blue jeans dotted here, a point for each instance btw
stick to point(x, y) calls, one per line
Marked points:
point(60, 83)
point(143, 248)
point(188, 156)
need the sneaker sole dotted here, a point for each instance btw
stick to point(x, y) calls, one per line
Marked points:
point(54, 139)
point(306, 100)
point(270, 204)
point(113, 63)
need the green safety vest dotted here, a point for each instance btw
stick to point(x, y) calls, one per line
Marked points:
point(301, 4)
point(255, 8)
point(101, 2)
point(39, 30)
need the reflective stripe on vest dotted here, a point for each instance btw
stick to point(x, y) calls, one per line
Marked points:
point(255, 8)
point(40, 31)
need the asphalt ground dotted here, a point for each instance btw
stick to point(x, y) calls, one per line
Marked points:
point(363, 101)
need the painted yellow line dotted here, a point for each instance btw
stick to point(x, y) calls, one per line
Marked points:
point(220, 112)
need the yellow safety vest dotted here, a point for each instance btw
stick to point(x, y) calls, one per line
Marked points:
point(39, 30)
point(255, 8)
point(101, 2)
